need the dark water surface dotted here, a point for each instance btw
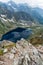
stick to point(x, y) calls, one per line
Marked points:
point(17, 34)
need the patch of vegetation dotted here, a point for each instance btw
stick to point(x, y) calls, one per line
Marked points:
point(1, 52)
point(36, 40)
point(37, 37)
point(9, 46)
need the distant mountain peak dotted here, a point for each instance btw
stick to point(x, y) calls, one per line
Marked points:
point(11, 9)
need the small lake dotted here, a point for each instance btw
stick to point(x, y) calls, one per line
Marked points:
point(17, 34)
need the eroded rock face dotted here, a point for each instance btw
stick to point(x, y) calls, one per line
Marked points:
point(23, 54)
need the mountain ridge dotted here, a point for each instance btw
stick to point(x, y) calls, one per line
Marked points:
point(13, 15)
point(11, 7)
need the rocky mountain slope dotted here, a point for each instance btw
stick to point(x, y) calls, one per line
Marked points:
point(11, 9)
point(21, 21)
point(14, 15)
point(23, 53)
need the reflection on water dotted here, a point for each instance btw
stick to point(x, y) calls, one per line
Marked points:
point(17, 34)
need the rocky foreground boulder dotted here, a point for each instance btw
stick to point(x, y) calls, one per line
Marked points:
point(23, 53)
